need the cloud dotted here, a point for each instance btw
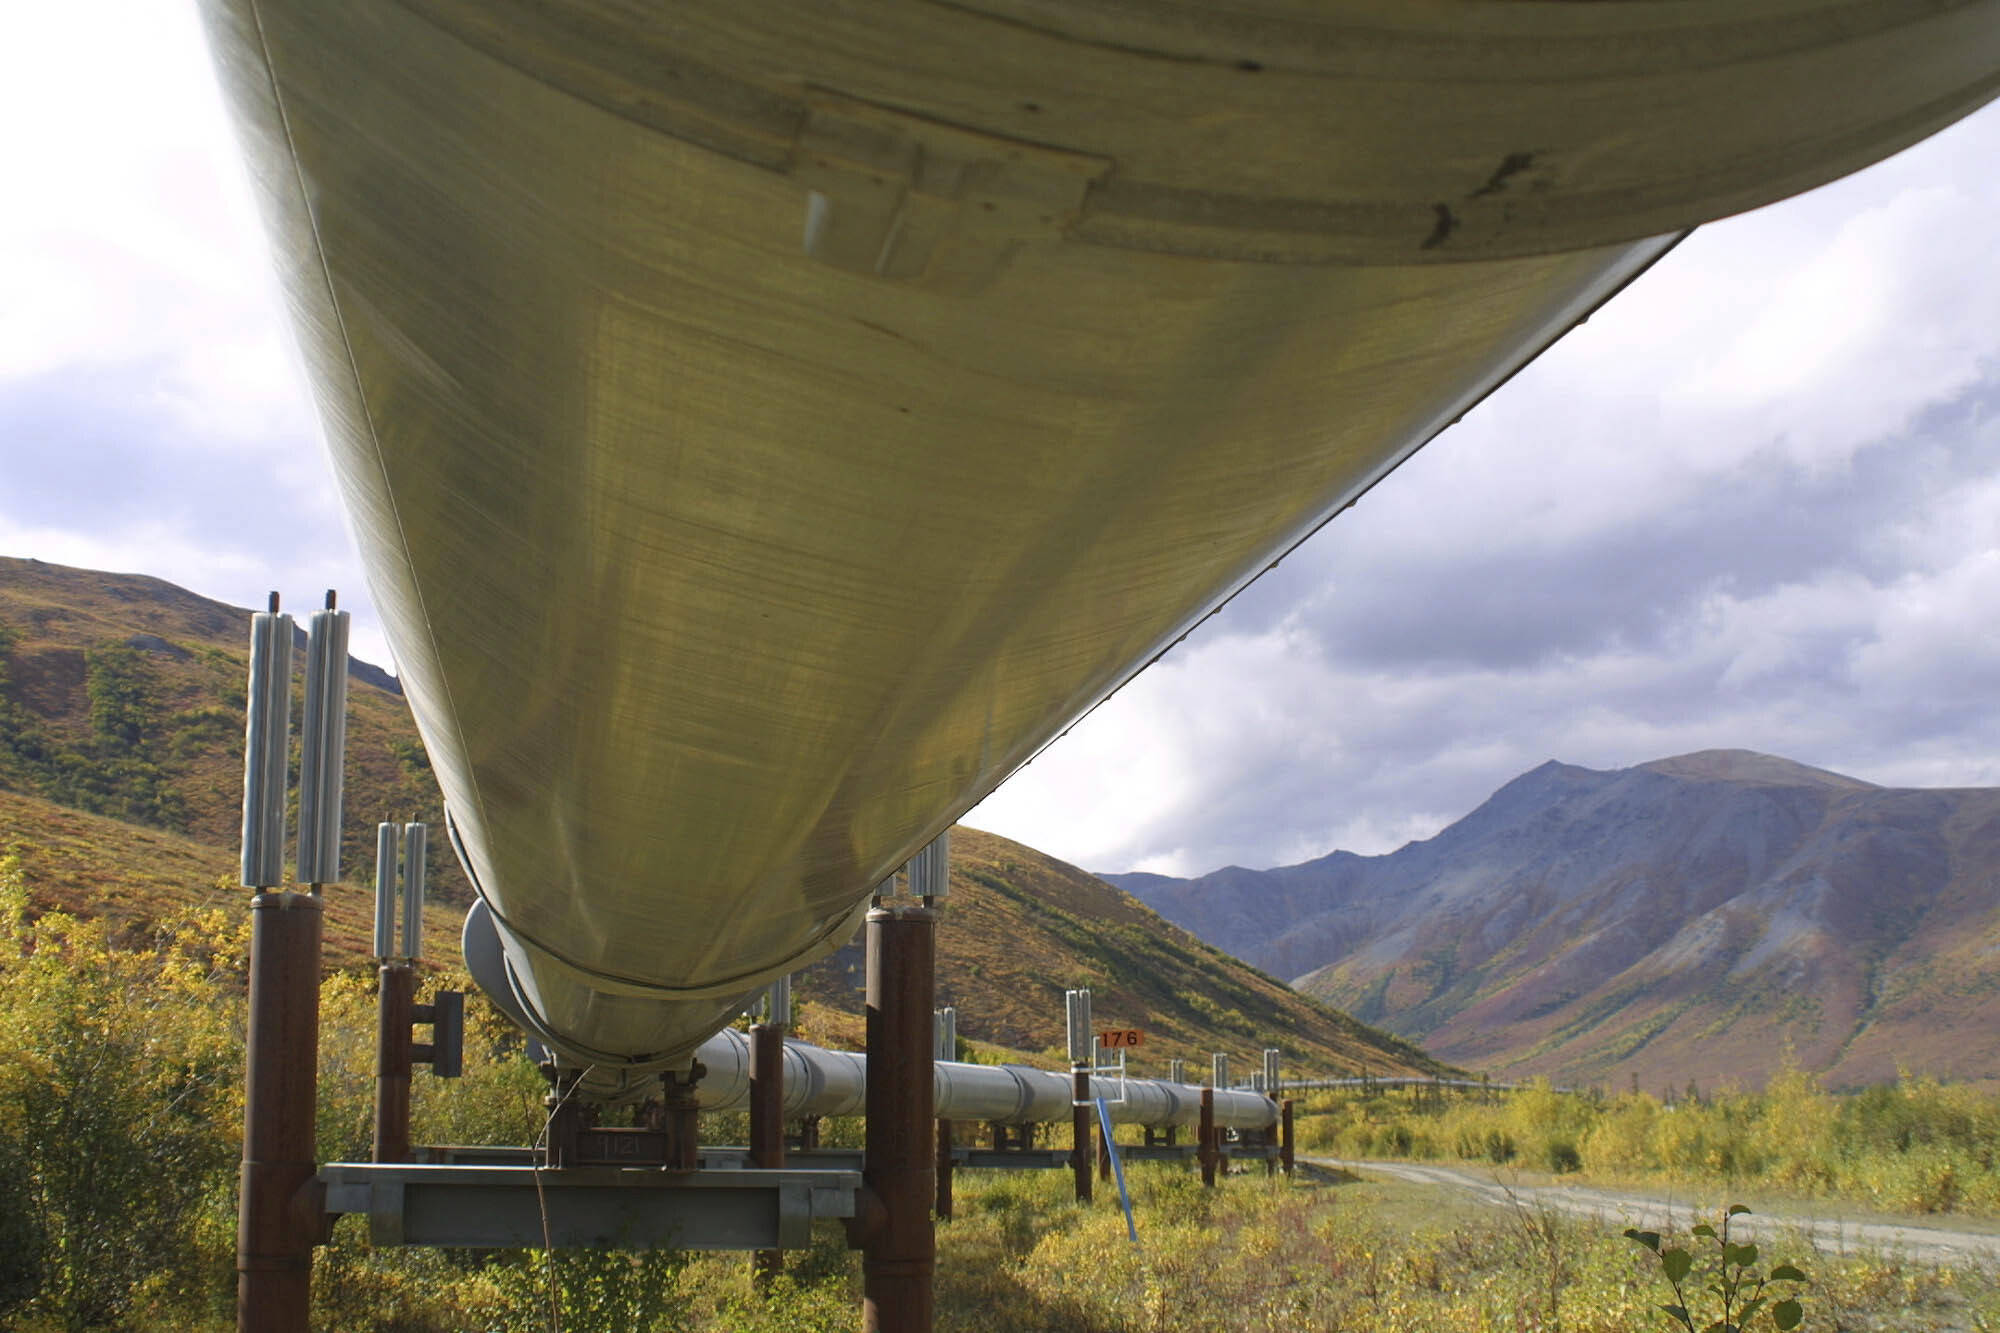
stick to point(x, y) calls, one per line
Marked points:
point(1752, 503)
point(153, 417)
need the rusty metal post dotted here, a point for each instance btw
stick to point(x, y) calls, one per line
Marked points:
point(898, 1244)
point(395, 1006)
point(683, 1117)
point(1206, 1150)
point(1103, 1157)
point(943, 1208)
point(278, 1211)
point(767, 1095)
point(767, 1119)
point(1285, 1134)
point(1080, 1132)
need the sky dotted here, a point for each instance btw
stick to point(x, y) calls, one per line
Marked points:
point(1753, 503)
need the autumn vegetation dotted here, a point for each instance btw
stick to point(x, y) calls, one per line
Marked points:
point(120, 1111)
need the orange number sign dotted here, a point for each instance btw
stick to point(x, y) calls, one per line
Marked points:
point(1118, 1037)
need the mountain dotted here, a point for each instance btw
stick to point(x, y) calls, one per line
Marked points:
point(1699, 917)
point(121, 734)
point(122, 695)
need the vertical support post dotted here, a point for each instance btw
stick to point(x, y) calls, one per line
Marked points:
point(767, 1095)
point(1205, 1149)
point(1104, 1154)
point(399, 879)
point(1082, 1052)
point(278, 1217)
point(395, 1004)
point(898, 1245)
point(1285, 1134)
point(566, 1118)
point(683, 1117)
point(944, 1204)
point(767, 1115)
point(1080, 1153)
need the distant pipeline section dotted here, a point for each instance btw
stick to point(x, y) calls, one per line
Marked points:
point(820, 1082)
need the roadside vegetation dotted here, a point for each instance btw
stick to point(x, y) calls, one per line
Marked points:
point(1914, 1146)
point(120, 1124)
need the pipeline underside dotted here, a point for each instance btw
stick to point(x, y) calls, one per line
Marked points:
point(767, 426)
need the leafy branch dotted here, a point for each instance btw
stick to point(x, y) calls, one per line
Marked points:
point(1742, 1290)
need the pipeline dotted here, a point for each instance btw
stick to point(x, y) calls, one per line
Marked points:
point(823, 1082)
point(820, 1082)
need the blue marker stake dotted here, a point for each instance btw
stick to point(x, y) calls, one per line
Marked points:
point(1117, 1168)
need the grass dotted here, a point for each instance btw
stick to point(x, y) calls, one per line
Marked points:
point(1320, 1251)
point(154, 1035)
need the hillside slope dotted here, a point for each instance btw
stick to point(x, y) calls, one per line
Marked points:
point(1019, 928)
point(1689, 918)
point(123, 695)
point(121, 725)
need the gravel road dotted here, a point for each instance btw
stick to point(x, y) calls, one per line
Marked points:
point(1827, 1232)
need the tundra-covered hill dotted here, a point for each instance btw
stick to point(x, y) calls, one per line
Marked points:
point(1697, 917)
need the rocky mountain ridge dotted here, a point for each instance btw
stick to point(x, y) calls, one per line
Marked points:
point(1694, 917)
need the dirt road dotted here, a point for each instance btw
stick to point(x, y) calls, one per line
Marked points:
point(1823, 1227)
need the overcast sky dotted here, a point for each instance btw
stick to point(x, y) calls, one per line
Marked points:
point(1755, 502)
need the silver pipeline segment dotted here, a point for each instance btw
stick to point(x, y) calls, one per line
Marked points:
point(1076, 1003)
point(266, 747)
point(323, 746)
point(416, 843)
point(388, 842)
point(823, 1082)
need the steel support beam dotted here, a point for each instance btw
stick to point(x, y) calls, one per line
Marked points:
point(1285, 1134)
point(278, 1213)
point(898, 1244)
point(603, 1207)
point(395, 1007)
point(767, 1116)
point(1209, 1149)
point(1080, 1129)
point(944, 1166)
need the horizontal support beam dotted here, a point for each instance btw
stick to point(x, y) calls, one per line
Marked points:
point(1158, 1152)
point(510, 1207)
